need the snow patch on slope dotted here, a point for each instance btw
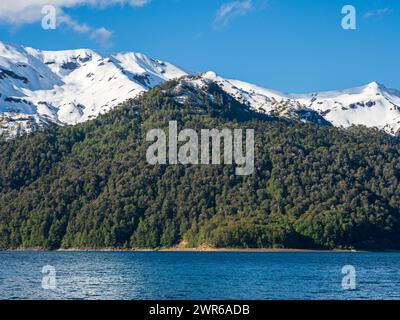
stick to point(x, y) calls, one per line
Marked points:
point(372, 105)
point(71, 86)
point(41, 88)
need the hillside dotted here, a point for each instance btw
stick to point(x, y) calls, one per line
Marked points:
point(89, 185)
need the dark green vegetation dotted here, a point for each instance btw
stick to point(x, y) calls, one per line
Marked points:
point(90, 185)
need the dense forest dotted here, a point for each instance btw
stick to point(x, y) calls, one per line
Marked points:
point(89, 186)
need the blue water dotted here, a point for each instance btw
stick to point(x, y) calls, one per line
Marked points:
point(198, 275)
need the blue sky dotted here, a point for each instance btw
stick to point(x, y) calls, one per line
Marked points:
point(287, 45)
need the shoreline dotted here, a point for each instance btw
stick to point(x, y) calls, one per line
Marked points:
point(177, 249)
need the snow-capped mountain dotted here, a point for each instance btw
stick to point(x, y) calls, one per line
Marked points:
point(43, 88)
point(372, 105)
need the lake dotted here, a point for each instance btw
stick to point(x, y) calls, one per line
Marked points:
point(198, 275)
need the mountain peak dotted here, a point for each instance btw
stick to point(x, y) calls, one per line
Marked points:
point(70, 86)
point(375, 86)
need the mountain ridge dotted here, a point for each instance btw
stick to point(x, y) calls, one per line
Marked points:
point(41, 88)
point(70, 86)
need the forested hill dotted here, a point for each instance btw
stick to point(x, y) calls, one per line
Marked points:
point(90, 186)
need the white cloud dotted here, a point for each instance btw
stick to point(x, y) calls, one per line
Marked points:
point(20, 12)
point(139, 3)
point(74, 25)
point(377, 12)
point(232, 9)
point(102, 36)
